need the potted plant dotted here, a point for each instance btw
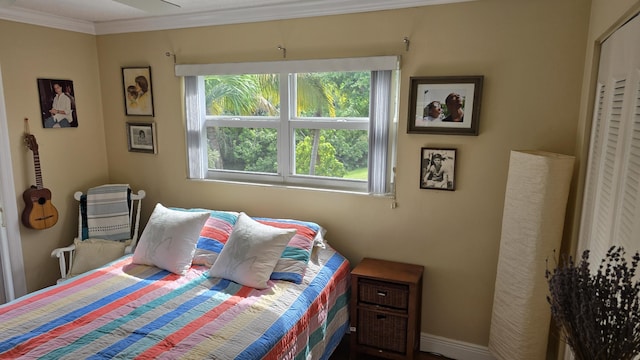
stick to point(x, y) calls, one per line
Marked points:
point(598, 314)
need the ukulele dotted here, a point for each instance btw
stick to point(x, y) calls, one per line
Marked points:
point(39, 213)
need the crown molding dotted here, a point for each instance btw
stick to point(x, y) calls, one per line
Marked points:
point(221, 17)
point(47, 20)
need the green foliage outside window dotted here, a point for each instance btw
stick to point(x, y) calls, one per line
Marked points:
point(326, 163)
point(327, 95)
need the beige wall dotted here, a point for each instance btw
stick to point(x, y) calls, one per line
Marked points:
point(531, 54)
point(71, 159)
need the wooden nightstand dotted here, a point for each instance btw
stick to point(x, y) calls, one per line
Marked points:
point(386, 302)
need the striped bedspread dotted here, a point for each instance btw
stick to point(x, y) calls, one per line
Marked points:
point(128, 311)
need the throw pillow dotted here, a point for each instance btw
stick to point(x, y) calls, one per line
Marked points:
point(319, 240)
point(169, 239)
point(251, 252)
point(294, 259)
point(93, 253)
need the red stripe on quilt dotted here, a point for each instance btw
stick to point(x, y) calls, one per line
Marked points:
point(34, 342)
point(169, 342)
point(288, 343)
point(215, 233)
point(58, 289)
point(300, 229)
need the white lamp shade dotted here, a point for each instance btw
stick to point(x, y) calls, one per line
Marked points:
point(532, 224)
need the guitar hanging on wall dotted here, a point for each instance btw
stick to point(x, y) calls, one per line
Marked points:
point(39, 213)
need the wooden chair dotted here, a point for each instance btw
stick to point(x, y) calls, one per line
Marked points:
point(67, 255)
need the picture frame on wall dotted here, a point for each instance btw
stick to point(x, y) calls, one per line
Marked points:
point(141, 137)
point(138, 92)
point(57, 103)
point(438, 169)
point(448, 105)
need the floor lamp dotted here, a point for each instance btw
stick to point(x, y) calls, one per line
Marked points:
point(532, 223)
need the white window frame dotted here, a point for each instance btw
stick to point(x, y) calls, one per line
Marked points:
point(380, 180)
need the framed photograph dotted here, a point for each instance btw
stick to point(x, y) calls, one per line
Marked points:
point(138, 93)
point(438, 169)
point(57, 103)
point(445, 105)
point(142, 137)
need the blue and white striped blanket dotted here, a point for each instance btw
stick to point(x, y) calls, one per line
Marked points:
point(108, 212)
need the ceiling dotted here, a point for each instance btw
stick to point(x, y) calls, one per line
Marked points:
point(118, 16)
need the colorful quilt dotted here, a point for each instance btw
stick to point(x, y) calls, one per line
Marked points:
point(129, 311)
point(294, 258)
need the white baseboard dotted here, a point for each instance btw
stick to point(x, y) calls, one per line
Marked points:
point(454, 349)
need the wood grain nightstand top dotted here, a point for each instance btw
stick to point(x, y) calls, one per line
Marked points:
point(389, 270)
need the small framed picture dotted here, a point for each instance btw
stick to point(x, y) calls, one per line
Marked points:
point(438, 169)
point(142, 137)
point(445, 105)
point(138, 93)
point(57, 103)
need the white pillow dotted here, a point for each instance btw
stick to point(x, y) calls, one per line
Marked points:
point(319, 240)
point(204, 257)
point(169, 239)
point(251, 252)
point(92, 253)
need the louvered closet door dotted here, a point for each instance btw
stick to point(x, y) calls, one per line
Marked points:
point(611, 212)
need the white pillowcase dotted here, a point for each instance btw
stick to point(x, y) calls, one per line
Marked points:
point(251, 252)
point(169, 239)
point(319, 240)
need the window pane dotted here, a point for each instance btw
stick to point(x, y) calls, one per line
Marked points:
point(242, 95)
point(336, 153)
point(333, 94)
point(242, 149)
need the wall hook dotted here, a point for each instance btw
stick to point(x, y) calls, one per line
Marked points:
point(168, 54)
point(284, 51)
point(406, 43)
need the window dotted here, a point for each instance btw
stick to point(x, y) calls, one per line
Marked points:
point(315, 123)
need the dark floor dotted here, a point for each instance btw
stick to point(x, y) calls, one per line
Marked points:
point(342, 353)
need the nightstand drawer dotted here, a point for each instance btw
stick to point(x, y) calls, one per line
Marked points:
point(382, 331)
point(383, 293)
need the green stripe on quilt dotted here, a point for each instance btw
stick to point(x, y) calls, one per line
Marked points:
point(132, 316)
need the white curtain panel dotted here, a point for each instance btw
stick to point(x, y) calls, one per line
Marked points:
point(532, 224)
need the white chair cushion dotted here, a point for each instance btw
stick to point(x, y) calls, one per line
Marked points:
point(92, 253)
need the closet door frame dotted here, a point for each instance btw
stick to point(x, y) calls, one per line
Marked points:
point(613, 162)
point(12, 259)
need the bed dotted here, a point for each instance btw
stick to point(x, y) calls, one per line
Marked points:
point(131, 310)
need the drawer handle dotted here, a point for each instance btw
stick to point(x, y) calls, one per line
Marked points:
point(382, 293)
point(381, 317)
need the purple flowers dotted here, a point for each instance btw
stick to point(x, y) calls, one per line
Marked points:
point(598, 313)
